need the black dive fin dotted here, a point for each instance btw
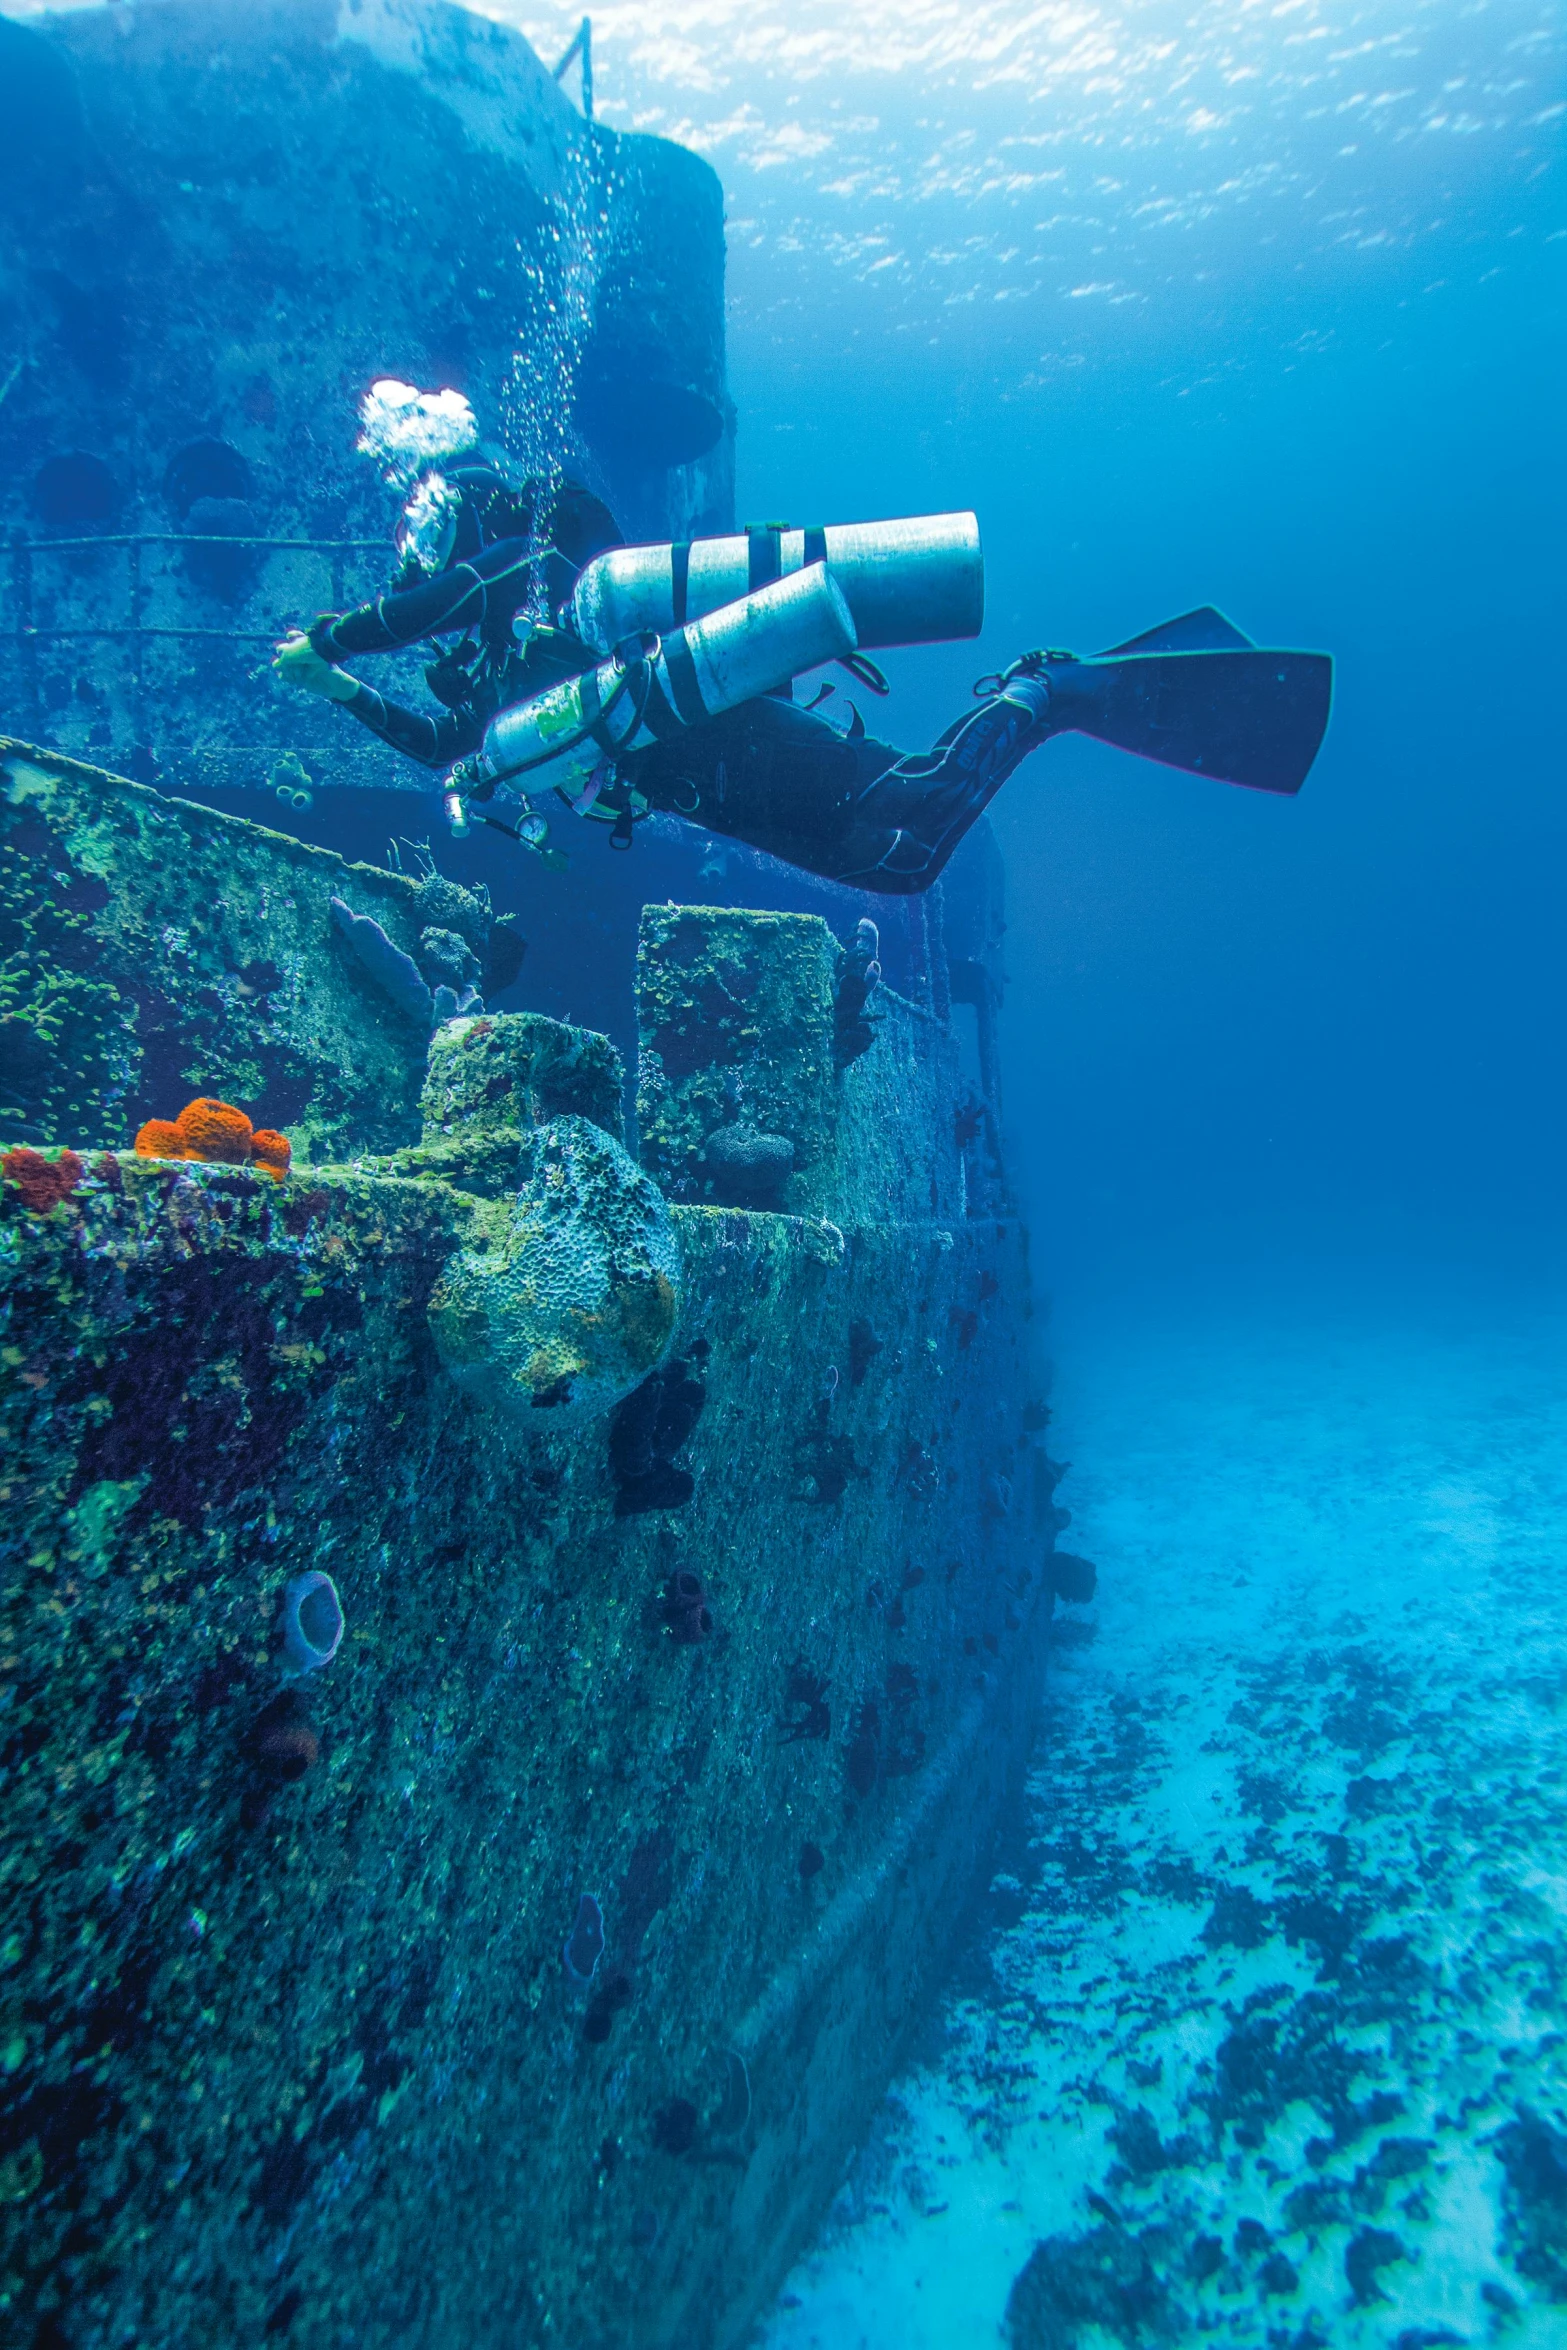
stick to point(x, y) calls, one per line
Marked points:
point(1241, 716)
point(1202, 631)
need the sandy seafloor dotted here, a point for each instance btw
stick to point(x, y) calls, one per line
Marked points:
point(1263, 2035)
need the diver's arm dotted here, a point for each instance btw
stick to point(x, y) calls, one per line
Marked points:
point(434, 742)
point(493, 586)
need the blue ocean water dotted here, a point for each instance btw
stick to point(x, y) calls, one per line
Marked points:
point(1258, 306)
point(1261, 306)
point(1258, 2032)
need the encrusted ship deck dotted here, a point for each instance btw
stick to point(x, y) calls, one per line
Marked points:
point(291, 2047)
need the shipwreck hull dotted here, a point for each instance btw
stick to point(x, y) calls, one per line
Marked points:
point(732, 1680)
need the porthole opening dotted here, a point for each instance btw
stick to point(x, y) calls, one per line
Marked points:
point(205, 470)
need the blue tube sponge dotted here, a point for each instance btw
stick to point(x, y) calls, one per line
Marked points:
point(312, 1622)
point(395, 974)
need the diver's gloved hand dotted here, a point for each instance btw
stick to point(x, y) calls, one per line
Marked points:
point(297, 662)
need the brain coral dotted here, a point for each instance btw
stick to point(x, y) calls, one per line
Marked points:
point(574, 1298)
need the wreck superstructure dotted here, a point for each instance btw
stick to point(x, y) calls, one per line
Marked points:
point(226, 217)
point(224, 221)
point(519, 1632)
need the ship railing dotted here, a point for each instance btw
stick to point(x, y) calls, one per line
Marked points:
point(23, 550)
point(581, 46)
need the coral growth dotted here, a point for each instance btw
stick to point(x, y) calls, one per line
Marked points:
point(854, 1031)
point(746, 1168)
point(159, 1139)
point(216, 1134)
point(447, 960)
point(271, 1150)
point(864, 1347)
point(1107, 2278)
point(42, 1182)
point(1073, 1579)
point(283, 1742)
point(571, 1296)
point(399, 977)
point(827, 1460)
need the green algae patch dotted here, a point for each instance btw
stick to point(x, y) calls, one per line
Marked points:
point(568, 1294)
point(735, 1011)
point(151, 950)
point(493, 1079)
point(93, 1527)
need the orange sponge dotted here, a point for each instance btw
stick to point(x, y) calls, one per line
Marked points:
point(214, 1130)
point(271, 1151)
point(159, 1139)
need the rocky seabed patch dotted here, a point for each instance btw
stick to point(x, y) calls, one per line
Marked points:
point(1263, 2040)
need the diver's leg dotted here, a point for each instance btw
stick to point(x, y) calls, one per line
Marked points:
point(911, 817)
point(850, 809)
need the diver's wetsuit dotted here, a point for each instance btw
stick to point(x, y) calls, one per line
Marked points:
point(477, 597)
point(780, 778)
point(849, 808)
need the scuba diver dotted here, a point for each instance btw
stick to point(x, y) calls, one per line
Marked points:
point(660, 678)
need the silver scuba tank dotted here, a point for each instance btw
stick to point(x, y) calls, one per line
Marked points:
point(910, 582)
point(652, 687)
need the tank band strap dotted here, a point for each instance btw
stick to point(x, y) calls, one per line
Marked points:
point(682, 679)
point(765, 549)
point(680, 579)
point(815, 547)
point(657, 716)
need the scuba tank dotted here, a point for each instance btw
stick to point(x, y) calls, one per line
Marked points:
point(567, 738)
point(917, 581)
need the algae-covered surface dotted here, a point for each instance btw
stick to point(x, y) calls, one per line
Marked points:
point(151, 950)
point(735, 1013)
point(691, 1571)
point(284, 2001)
point(493, 1078)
